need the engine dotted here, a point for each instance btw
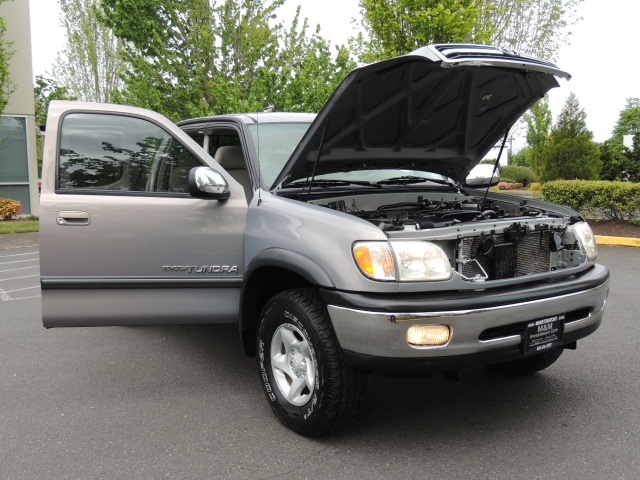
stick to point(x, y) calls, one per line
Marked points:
point(426, 214)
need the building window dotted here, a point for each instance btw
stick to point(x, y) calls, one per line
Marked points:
point(14, 163)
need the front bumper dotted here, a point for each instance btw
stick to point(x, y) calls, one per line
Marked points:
point(486, 327)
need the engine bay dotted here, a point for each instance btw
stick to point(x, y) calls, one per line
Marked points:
point(484, 238)
point(425, 214)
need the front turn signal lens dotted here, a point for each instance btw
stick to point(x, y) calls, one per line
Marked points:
point(428, 335)
point(375, 260)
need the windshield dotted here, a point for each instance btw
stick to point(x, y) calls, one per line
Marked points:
point(275, 143)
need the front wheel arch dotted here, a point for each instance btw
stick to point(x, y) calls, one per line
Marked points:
point(260, 285)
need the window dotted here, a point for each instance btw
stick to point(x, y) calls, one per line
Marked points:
point(13, 150)
point(275, 142)
point(14, 163)
point(113, 153)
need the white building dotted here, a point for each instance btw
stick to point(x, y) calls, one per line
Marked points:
point(18, 162)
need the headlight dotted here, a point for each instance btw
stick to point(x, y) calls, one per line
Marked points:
point(587, 240)
point(403, 260)
point(420, 261)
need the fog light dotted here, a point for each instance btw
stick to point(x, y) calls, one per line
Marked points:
point(428, 335)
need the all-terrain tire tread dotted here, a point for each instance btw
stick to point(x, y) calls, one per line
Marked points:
point(347, 386)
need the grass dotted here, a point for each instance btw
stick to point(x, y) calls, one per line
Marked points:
point(18, 226)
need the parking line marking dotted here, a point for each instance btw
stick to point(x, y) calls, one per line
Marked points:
point(18, 255)
point(18, 278)
point(22, 298)
point(21, 289)
point(5, 297)
point(16, 269)
point(19, 261)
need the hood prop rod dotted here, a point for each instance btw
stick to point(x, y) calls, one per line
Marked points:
point(315, 163)
point(495, 167)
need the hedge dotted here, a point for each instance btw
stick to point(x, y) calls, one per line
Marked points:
point(521, 175)
point(9, 208)
point(596, 199)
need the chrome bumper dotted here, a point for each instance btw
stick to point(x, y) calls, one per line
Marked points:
point(384, 334)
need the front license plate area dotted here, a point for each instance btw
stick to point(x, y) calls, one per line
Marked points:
point(543, 334)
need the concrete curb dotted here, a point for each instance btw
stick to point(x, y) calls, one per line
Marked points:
point(617, 241)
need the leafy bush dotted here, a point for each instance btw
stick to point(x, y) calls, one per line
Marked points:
point(523, 175)
point(9, 208)
point(596, 199)
point(534, 188)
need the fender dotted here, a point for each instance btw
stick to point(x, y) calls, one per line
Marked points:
point(300, 265)
point(296, 262)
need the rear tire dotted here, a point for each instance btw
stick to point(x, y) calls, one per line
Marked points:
point(304, 378)
point(528, 365)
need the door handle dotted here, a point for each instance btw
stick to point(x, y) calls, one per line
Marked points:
point(73, 218)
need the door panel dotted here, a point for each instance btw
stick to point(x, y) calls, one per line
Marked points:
point(121, 242)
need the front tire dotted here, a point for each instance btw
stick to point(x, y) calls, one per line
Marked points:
point(528, 365)
point(300, 364)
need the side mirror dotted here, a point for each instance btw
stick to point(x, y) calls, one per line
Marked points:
point(205, 182)
point(482, 175)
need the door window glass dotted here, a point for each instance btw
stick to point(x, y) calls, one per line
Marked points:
point(103, 152)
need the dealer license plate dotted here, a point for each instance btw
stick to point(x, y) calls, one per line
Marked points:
point(543, 334)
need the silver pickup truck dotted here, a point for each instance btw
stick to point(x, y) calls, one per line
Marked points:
point(350, 242)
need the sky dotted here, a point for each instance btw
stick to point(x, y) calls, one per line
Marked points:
point(602, 57)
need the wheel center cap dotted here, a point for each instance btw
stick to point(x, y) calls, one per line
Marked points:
point(296, 361)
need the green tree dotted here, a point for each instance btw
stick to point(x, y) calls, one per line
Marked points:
point(538, 120)
point(522, 158)
point(6, 52)
point(91, 64)
point(629, 119)
point(533, 27)
point(394, 27)
point(305, 71)
point(570, 152)
point(613, 159)
point(201, 57)
point(46, 90)
point(632, 170)
point(619, 161)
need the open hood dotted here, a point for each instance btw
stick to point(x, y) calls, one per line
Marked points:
point(439, 109)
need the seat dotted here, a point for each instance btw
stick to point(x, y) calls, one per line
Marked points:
point(231, 159)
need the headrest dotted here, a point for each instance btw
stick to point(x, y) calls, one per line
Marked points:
point(230, 158)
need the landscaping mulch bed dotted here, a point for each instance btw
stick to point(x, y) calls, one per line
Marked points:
point(615, 228)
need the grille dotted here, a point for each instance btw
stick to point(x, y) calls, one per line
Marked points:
point(524, 256)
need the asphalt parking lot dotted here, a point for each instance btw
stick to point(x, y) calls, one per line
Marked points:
point(184, 402)
point(19, 274)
